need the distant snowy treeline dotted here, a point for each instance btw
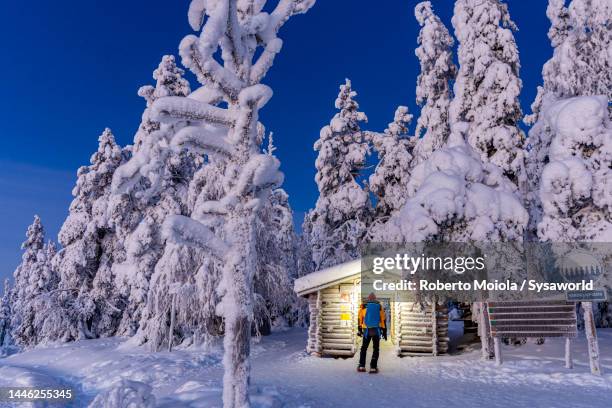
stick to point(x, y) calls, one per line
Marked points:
point(186, 234)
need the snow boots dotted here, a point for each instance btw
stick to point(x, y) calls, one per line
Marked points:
point(373, 370)
point(361, 369)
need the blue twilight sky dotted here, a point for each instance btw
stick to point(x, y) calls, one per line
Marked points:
point(72, 67)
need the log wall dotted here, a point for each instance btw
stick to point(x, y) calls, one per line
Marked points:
point(338, 320)
point(419, 331)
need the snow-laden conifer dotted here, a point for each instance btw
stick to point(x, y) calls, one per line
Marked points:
point(87, 248)
point(5, 317)
point(139, 209)
point(390, 178)
point(456, 197)
point(488, 85)
point(433, 92)
point(581, 65)
point(35, 280)
point(337, 224)
point(576, 185)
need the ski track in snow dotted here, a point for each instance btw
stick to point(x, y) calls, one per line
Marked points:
point(284, 376)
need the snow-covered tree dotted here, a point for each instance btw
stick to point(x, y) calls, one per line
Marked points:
point(455, 197)
point(222, 119)
point(433, 92)
point(581, 62)
point(35, 279)
point(87, 252)
point(580, 65)
point(5, 317)
point(576, 184)
point(336, 226)
point(169, 82)
point(390, 178)
point(488, 85)
point(276, 266)
point(138, 215)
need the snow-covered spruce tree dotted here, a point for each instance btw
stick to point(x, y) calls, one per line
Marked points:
point(169, 82)
point(580, 65)
point(86, 253)
point(138, 215)
point(5, 318)
point(224, 119)
point(455, 197)
point(576, 184)
point(276, 266)
point(390, 178)
point(581, 37)
point(35, 280)
point(337, 225)
point(433, 92)
point(488, 85)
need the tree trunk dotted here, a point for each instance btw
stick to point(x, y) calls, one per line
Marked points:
point(498, 351)
point(434, 328)
point(591, 335)
point(236, 378)
point(569, 362)
point(171, 330)
point(237, 310)
point(483, 328)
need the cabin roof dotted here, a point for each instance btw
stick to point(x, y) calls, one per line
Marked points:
point(327, 277)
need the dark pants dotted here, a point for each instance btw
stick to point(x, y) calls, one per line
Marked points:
point(364, 349)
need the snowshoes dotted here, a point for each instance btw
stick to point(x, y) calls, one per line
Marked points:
point(373, 370)
point(361, 369)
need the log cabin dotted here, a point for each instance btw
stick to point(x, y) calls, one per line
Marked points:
point(334, 297)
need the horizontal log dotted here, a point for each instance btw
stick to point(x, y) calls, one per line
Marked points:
point(420, 316)
point(408, 343)
point(422, 339)
point(335, 310)
point(441, 349)
point(408, 323)
point(338, 353)
point(336, 315)
point(418, 354)
point(422, 333)
point(336, 329)
point(338, 346)
point(418, 310)
point(405, 319)
point(339, 336)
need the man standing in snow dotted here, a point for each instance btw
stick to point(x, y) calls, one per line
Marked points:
point(372, 328)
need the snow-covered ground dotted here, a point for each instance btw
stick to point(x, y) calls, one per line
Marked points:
point(284, 376)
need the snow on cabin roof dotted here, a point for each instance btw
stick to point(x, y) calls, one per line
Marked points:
point(326, 277)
